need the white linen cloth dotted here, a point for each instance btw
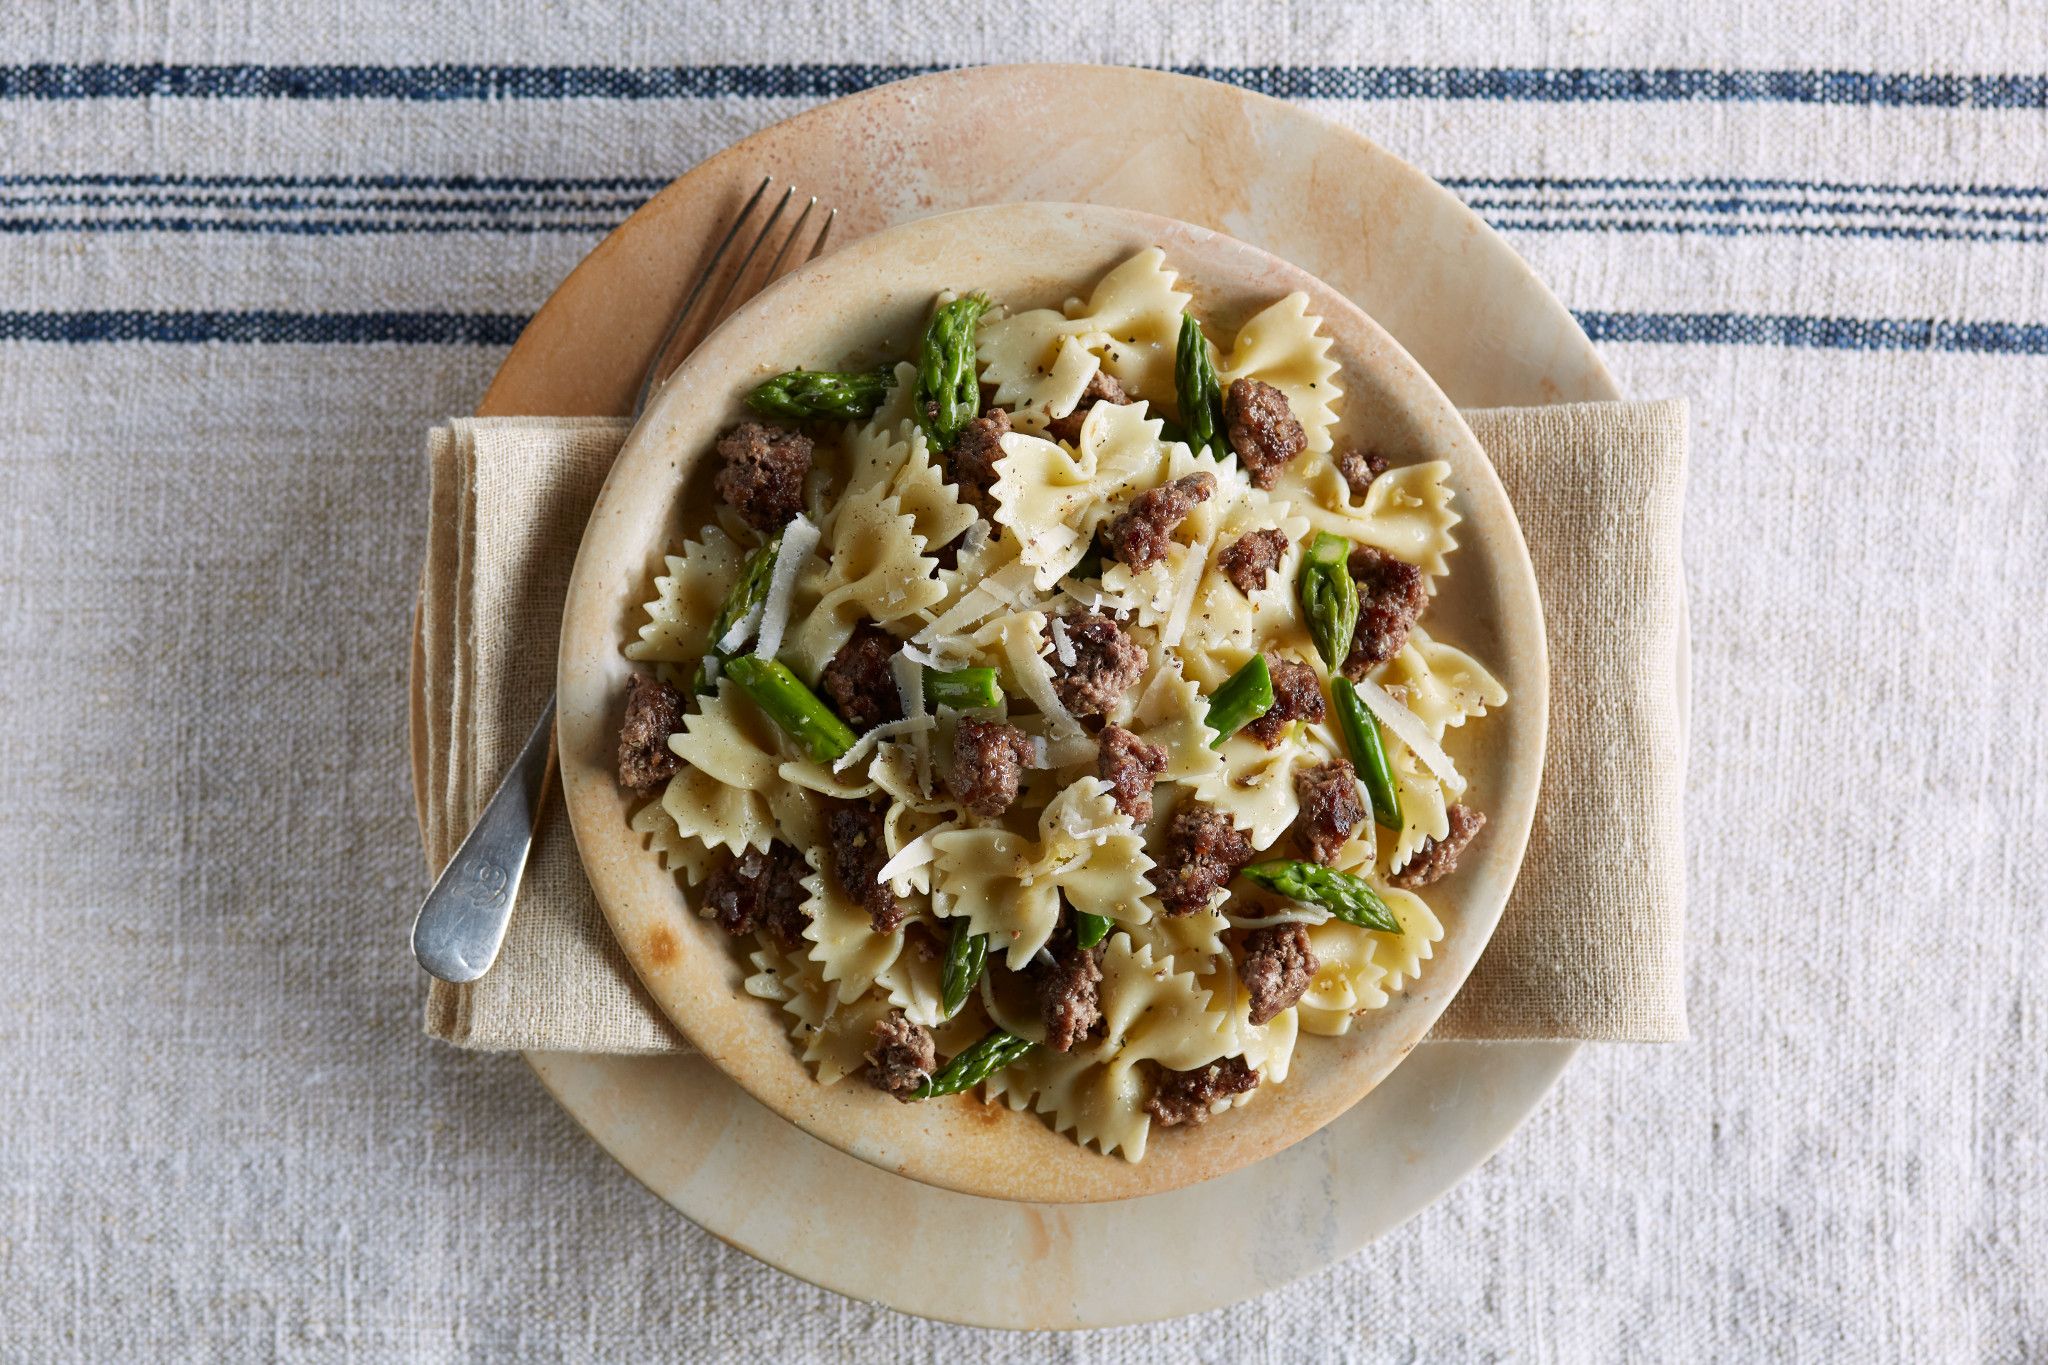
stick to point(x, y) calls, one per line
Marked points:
point(225, 1137)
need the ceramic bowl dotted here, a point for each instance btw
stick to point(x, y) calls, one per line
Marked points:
point(866, 301)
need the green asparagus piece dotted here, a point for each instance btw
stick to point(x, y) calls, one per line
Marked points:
point(1245, 696)
point(1201, 398)
point(822, 394)
point(963, 689)
point(948, 389)
point(791, 705)
point(747, 593)
point(1090, 930)
point(1329, 599)
point(966, 960)
point(1368, 755)
point(974, 1064)
point(1349, 898)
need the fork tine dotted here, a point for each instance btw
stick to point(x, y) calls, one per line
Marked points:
point(655, 366)
point(795, 231)
point(831, 217)
point(739, 274)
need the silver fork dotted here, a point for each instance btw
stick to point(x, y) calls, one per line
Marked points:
point(461, 924)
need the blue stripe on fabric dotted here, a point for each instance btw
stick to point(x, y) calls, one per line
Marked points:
point(1474, 182)
point(264, 326)
point(51, 81)
point(267, 326)
point(298, 227)
point(1876, 231)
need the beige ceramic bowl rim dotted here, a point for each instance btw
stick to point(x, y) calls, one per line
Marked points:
point(600, 831)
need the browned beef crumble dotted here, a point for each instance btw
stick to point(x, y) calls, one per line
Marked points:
point(1106, 663)
point(1131, 767)
point(1262, 428)
point(903, 1057)
point(988, 765)
point(1186, 1096)
point(1069, 992)
point(1390, 596)
point(975, 452)
point(858, 680)
point(858, 852)
point(1251, 560)
point(1297, 695)
point(1330, 808)
point(763, 474)
point(1102, 388)
point(762, 891)
point(654, 711)
point(1438, 858)
point(1140, 536)
point(1278, 966)
point(1203, 852)
point(1360, 468)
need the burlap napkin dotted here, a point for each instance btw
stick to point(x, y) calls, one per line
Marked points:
point(1591, 944)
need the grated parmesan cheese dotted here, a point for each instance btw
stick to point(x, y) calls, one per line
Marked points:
point(868, 742)
point(1409, 729)
point(799, 538)
point(909, 675)
point(1062, 645)
point(919, 852)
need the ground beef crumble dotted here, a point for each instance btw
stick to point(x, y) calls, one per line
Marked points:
point(761, 891)
point(1187, 1096)
point(988, 765)
point(1131, 767)
point(763, 473)
point(1203, 852)
point(1106, 663)
point(1438, 858)
point(858, 852)
point(1278, 966)
point(1102, 388)
point(859, 681)
point(1262, 429)
point(1330, 808)
point(1069, 992)
point(654, 711)
point(1250, 561)
point(1360, 468)
point(1390, 596)
point(975, 452)
point(1140, 536)
point(1297, 695)
point(903, 1057)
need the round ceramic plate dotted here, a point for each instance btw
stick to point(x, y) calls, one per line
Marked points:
point(867, 301)
point(1433, 275)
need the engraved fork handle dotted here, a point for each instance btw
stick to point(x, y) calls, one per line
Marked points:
point(462, 922)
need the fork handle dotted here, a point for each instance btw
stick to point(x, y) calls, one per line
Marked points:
point(461, 924)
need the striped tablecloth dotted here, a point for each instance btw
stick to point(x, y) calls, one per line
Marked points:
point(250, 252)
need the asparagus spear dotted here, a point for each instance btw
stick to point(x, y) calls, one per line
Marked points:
point(1368, 754)
point(948, 389)
point(1201, 397)
point(748, 592)
point(814, 394)
point(1349, 898)
point(974, 1064)
point(1329, 599)
point(1245, 696)
point(966, 960)
point(963, 689)
point(1090, 930)
point(791, 705)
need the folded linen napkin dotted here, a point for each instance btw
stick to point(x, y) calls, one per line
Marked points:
point(1589, 947)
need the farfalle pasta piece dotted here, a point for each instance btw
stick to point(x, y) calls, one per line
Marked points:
point(1407, 511)
point(1349, 978)
point(1041, 359)
point(1404, 953)
point(1443, 686)
point(686, 598)
point(1052, 499)
point(875, 568)
point(1173, 714)
point(1087, 1093)
point(1255, 786)
point(1154, 1011)
point(1009, 886)
point(691, 857)
point(1424, 809)
point(1284, 346)
point(848, 952)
